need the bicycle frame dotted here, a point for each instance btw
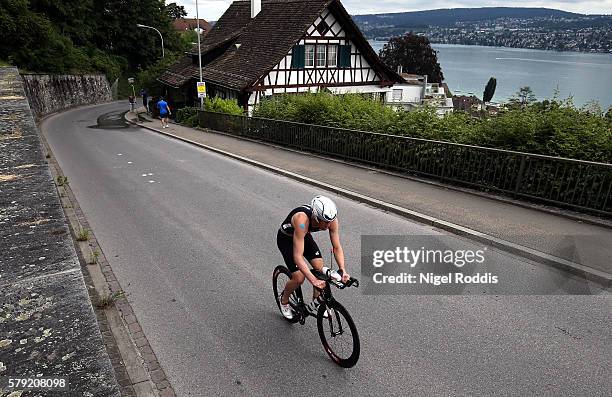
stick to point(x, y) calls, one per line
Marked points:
point(325, 296)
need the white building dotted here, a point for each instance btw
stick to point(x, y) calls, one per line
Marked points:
point(261, 48)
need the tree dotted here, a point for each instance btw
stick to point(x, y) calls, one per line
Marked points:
point(31, 41)
point(414, 54)
point(70, 18)
point(523, 97)
point(117, 33)
point(175, 11)
point(84, 36)
point(489, 90)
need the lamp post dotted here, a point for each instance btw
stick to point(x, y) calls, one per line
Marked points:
point(199, 52)
point(158, 32)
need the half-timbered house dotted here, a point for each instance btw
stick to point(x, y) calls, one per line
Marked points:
point(261, 48)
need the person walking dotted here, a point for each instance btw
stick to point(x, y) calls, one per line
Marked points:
point(145, 99)
point(164, 112)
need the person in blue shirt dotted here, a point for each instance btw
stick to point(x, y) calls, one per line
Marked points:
point(164, 112)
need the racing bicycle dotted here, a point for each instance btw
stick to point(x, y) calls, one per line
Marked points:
point(336, 327)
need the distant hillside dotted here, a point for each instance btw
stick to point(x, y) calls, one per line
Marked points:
point(537, 28)
point(449, 17)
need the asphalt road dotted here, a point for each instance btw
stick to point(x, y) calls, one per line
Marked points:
point(191, 237)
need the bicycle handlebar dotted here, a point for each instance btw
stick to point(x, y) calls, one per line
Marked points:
point(352, 282)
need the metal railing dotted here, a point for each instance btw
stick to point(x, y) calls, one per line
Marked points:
point(576, 184)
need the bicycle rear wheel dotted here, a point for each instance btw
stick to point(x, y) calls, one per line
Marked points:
point(338, 335)
point(280, 277)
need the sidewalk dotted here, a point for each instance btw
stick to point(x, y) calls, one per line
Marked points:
point(555, 235)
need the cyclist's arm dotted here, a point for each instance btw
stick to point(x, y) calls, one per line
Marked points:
point(334, 236)
point(300, 227)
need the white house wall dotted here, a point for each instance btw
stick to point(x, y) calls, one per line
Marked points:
point(283, 79)
point(410, 93)
point(360, 89)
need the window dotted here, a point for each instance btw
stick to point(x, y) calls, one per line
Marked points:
point(321, 56)
point(332, 56)
point(397, 95)
point(309, 59)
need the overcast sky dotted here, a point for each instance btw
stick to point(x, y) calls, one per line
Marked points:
point(211, 10)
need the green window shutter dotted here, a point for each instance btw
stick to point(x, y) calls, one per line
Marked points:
point(340, 56)
point(302, 57)
point(344, 56)
point(298, 57)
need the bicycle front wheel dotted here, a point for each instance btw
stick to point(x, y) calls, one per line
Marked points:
point(338, 334)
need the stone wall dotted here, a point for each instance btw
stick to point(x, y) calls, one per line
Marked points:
point(47, 323)
point(53, 93)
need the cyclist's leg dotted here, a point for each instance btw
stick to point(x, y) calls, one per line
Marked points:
point(313, 254)
point(285, 246)
point(297, 278)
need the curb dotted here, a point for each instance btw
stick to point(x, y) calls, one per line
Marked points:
point(561, 212)
point(588, 273)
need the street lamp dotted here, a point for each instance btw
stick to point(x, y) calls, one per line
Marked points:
point(199, 51)
point(160, 35)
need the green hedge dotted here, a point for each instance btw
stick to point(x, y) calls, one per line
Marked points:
point(187, 116)
point(227, 106)
point(555, 128)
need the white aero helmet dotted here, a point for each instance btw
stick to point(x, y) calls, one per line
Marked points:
point(324, 209)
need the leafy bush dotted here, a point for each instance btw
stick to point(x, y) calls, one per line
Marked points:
point(111, 65)
point(227, 106)
point(188, 116)
point(352, 111)
point(185, 113)
point(552, 127)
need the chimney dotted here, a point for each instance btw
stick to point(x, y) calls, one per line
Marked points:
point(424, 86)
point(255, 8)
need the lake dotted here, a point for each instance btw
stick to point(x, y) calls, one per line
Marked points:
point(585, 76)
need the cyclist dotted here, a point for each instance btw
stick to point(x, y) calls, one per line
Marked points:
point(295, 242)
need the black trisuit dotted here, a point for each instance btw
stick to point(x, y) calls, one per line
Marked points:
point(284, 239)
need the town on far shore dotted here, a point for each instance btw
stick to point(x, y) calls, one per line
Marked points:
point(533, 28)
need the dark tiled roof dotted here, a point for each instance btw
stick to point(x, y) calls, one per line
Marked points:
point(179, 73)
point(238, 50)
point(464, 102)
point(191, 24)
